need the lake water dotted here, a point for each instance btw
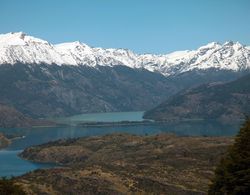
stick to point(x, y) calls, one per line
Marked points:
point(102, 117)
point(12, 165)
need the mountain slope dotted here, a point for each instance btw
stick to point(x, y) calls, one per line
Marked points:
point(10, 117)
point(225, 101)
point(46, 91)
point(25, 49)
point(40, 79)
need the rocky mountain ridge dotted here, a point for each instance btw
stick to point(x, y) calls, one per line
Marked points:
point(21, 48)
point(43, 80)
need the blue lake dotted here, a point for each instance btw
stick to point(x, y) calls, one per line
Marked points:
point(12, 165)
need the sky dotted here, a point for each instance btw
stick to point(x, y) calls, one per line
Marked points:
point(144, 26)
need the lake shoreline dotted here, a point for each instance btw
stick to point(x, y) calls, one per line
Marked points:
point(117, 158)
point(4, 141)
point(78, 126)
point(137, 123)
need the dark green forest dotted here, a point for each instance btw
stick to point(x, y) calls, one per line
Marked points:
point(232, 175)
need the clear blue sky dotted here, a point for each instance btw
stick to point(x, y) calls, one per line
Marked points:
point(155, 26)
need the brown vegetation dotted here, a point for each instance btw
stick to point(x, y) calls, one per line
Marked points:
point(122, 164)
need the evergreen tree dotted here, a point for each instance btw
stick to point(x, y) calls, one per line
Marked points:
point(232, 176)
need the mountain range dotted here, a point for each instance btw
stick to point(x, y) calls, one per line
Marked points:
point(40, 79)
point(21, 48)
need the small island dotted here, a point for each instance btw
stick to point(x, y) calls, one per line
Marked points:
point(4, 141)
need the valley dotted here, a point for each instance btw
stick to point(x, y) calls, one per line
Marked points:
point(125, 97)
point(55, 80)
point(12, 165)
point(193, 99)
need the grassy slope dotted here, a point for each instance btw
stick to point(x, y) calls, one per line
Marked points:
point(122, 164)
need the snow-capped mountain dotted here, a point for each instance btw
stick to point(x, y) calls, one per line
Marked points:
point(91, 79)
point(22, 48)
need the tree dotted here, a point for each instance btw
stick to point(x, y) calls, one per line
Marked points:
point(232, 175)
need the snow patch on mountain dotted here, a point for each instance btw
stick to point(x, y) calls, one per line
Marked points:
point(19, 38)
point(19, 47)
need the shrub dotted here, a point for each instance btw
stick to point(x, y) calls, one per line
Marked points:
point(8, 187)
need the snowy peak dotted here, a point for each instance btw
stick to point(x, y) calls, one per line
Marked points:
point(76, 53)
point(212, 45)
point(230, 56)
point(19, 38)
point(22, 48)
point(72, 45)
point(19, 47)
point(73, 53)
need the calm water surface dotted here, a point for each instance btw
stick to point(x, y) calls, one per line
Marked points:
point(102, 117)
point(12, 165)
